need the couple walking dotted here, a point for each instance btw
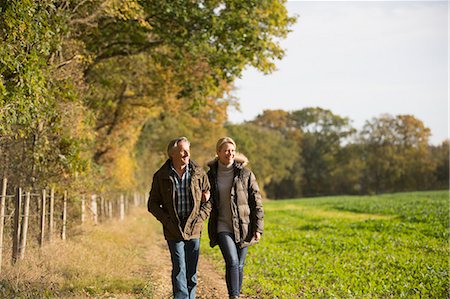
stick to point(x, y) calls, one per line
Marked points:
point(183, 196)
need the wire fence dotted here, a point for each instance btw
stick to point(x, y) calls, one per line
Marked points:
point(40, 216)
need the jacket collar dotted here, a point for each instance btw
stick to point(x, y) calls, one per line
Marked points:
point(194, 168)
point(240, 161)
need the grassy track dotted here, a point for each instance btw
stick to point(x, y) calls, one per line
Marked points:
point(106, 261)
point(389, 246)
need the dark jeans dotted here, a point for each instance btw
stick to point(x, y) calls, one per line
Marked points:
point(234, 262)
point(184, 255)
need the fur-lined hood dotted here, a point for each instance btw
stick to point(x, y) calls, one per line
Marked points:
point(239, 159)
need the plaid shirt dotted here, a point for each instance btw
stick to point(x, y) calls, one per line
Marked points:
point(182, 191)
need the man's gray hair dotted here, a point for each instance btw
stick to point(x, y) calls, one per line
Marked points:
point(173, 144)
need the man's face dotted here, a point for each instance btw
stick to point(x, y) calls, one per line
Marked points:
point(180, 155)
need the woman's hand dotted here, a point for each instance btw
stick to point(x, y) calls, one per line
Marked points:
point(205, 196)
point(257, 236)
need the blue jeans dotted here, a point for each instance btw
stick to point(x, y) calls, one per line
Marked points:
point(184, 255)
point(234, 262)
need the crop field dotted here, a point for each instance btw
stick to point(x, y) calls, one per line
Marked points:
point(386, 246)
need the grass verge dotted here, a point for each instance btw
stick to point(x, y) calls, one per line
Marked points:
point(103, 261)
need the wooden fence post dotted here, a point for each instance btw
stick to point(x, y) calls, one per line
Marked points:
point(83, 209)
point(102, 208)
point(94, 208)
point(136, 199)
point(110, 209)
point(51, 223)
point(23, 240)
point(122, 208)
point(16, 228)
point(2, 218)
point(41, 241)
point(141, 201)
point(64, 217)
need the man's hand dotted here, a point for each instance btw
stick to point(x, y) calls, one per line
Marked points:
point(205, 196)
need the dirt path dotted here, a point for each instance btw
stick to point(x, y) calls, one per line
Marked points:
point(118, 259)
point(211, 284)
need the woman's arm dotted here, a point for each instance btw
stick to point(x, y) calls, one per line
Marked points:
point(256, 207)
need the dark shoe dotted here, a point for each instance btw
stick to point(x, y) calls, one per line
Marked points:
point(234, 297)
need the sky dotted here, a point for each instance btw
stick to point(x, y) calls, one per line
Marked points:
point(359, 59)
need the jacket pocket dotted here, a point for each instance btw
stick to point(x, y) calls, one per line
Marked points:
point(196, 227)
point(172, 229)
point(247, 235)
point(245, 230)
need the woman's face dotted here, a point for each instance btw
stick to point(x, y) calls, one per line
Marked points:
point(226, 153)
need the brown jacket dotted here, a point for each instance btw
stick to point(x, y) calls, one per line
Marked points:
point(161, 203)
point(246, 204)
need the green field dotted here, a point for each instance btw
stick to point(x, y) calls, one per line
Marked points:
point(387, 246)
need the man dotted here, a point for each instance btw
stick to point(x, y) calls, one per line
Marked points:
point(179, 199)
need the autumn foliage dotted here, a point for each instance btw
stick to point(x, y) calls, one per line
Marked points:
point(92, 90)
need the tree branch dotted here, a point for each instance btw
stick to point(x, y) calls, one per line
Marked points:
point(120, 53)
point(62, 64)
point(118, 110)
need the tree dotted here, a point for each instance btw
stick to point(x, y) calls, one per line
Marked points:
point(440, 156)
point(290, 184)
point(271, 155)
point(323, 135)
point(145, 57)
point(35, 145)
point(348, 174)
point(117, 65)
point(396, 153)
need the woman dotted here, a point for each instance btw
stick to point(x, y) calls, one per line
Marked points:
point(236, 219)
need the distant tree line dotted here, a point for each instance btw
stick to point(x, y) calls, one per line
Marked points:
point(313, 152)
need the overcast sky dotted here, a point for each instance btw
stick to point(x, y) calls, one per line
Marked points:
point(359, 59)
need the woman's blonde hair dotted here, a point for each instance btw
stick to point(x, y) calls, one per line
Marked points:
point(224, 140)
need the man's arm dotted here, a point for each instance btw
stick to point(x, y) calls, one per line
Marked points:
point(155, 203)
point(206, 204)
